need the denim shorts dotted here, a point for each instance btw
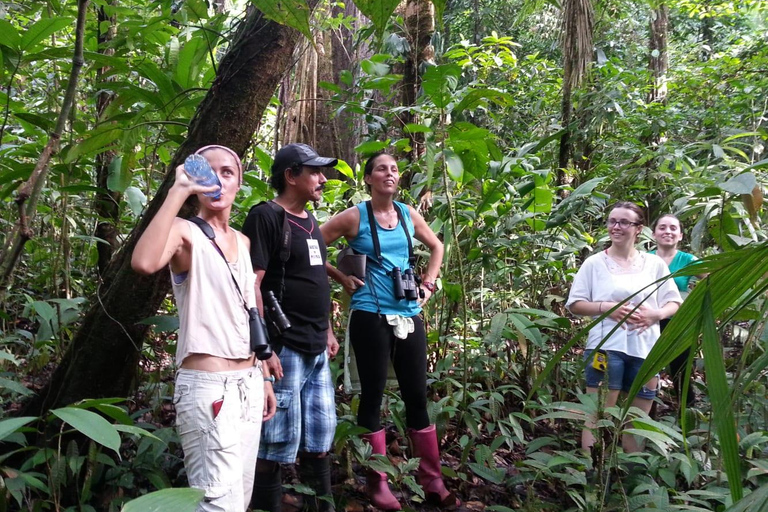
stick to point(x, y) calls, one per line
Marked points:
point(220, 448)
point(622, 370)
point(306, 409)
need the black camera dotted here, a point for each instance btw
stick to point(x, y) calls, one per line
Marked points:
point(259, 338)
point(274, 313)
point(406, 284)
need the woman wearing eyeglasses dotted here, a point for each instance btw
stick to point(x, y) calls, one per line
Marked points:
point(604, 280)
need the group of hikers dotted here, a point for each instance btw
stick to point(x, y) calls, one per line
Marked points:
point(244, 409)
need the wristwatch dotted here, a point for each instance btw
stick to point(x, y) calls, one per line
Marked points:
point(429, 286)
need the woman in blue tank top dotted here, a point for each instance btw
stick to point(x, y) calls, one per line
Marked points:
point(385, 322)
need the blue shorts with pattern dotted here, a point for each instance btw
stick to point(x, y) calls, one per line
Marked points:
point(306, 410)
point(622, 370)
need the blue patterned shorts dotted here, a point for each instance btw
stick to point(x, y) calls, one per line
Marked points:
point(306, 411)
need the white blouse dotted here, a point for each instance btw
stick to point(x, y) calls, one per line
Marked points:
point(600, 278)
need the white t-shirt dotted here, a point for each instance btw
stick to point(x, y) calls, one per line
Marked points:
point(601, 279)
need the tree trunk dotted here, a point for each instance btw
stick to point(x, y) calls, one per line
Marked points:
point(658, 59)
point(106, 203)
point(578, 25)
point(102, 360)
point(419, 19)
point(307, 113)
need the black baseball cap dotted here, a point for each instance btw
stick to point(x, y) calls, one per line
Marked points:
point(300, 154)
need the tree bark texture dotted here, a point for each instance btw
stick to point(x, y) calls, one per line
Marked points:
point(107, 203)
point(419, 17)
point(578, 26)
point(658, 58)
point(307, 113)
point(102, 360)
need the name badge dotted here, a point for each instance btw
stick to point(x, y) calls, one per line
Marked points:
point(315, 258)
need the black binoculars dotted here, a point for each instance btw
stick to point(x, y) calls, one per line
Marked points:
point(274, 313)
point(406, 284)
point(259, 338)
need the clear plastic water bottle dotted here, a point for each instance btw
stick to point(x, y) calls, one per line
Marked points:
point(198, 168)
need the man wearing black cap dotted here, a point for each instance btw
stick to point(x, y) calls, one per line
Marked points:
point(288, 256)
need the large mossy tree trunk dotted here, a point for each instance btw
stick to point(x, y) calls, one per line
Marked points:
point(102, 360)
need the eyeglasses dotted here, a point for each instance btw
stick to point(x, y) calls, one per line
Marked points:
point(623, 223)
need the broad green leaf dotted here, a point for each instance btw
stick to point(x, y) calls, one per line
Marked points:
point(16, 387)
point(9, 36)
point(454, 165)
point(374, 67)
point(293, 13)
point(743, 183)
point(439, 10)
point(177, 500)
point(10, 425)
point(91, 425)
point(477, 97)
point(378, 11)
point(42, 29)
point(720, 397)
point(95, 144)
point(162, 323)
point(370, 147)
point(416, 128)
point(439, 82)
point(136, 200)
point(344, 168)
point(138, 431)
point(118, 180)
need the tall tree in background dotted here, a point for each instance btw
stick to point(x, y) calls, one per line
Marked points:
point(419, 17)
point(102, 359)
point(578, 25)
point(106, 202)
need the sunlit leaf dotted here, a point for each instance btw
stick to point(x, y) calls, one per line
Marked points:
point(42, 29)
point(178, 500)
point(293, 13)
point(91, 425)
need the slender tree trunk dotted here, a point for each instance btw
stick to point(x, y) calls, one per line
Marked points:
point(658, 59)
point(106, 203)
point(578, 25)
point(102, 360)
point(26, 199)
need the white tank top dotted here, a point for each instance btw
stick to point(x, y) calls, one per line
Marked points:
point(212, 319)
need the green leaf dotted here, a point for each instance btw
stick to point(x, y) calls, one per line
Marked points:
point(16, 387)
point(138, 431)
point(117, 180)
point(439, 82)
point(293, 13)
point(91, 425)
point(95, 144)
point(454, 165)
point(8, 35)
point(372, 146)
point(136, 200)
point(743, 183)
point(178, 500)
point(42, 29)
point(11, 425)
point(162, 323)
point(378, 11)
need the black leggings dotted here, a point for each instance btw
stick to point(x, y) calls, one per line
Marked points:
point(375, 344)
point(677, 372)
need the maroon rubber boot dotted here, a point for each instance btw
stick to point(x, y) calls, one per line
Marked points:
point(376, 481)
point(430, 477)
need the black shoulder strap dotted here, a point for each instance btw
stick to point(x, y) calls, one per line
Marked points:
point(210, 235)
point(375, 236)
point(285, 238)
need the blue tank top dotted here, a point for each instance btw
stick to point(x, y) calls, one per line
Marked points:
point(378, 294)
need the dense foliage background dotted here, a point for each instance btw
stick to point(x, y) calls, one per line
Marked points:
point(518, 123)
